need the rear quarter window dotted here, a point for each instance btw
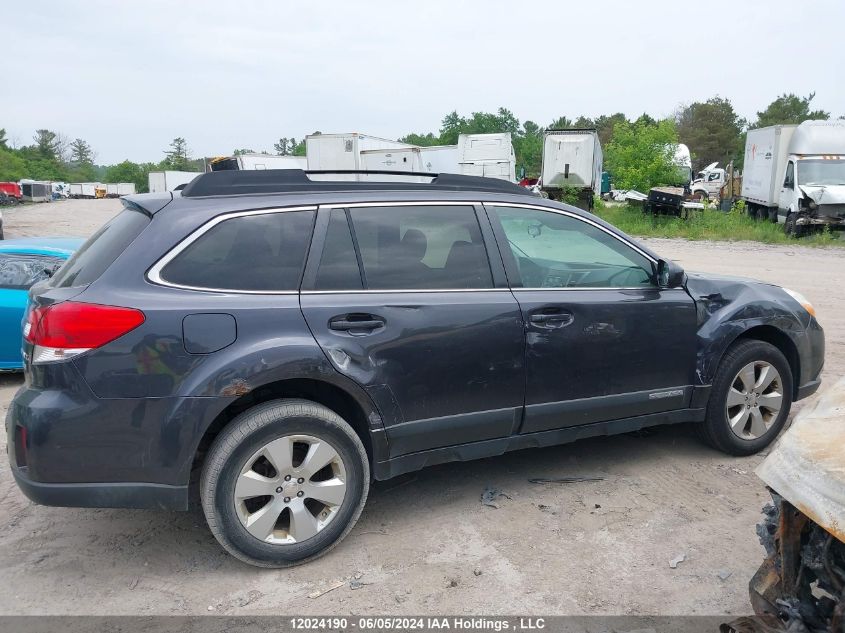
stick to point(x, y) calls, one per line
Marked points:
point(100, 250)
point(262, 252)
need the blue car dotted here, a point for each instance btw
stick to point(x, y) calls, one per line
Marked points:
point(24, 262)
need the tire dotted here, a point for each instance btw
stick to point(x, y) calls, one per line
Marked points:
point(702, 196)
point(716, 429)
point(762, 214)
point(751, 211)
point(791, 228)
point(289, 425)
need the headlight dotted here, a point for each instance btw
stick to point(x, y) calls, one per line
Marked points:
point(802, 300)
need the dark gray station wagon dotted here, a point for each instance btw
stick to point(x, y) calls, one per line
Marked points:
point(281, 339)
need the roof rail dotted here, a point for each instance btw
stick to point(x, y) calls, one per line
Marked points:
point(266, 181)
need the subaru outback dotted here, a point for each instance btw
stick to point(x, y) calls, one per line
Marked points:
point(275, 340)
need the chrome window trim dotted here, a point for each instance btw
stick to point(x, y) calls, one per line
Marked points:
point(575, 216)
point(401, 291)
point(401, 203)
point(154, 273)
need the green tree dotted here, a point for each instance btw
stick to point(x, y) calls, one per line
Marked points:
point(528, 148)
point(81, 152)
point(4, 142)
point(423, 140)
point(48, 144)
point(178, 156)
point(604, 126)
point(127, 171)
point(712, 130)
point(640, 154)
point(561, 123)
point(240, 152)
point(583, 122)
point(12, 165)
point(789, 108)
point(503, 120)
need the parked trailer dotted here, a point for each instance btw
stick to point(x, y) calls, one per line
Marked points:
point(164, 181)
point(430, 160)
point(795, 174)
point(33, 191)
point(489, 155)
point(125, 188)
point(83, 189)
point(256, 161)
point(572, 159)
point(343, 152)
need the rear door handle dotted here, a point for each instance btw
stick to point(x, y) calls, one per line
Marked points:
point(551, 317)
point(356, 323)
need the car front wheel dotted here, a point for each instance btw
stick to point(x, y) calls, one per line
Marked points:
point(284, 482)
point(750, 399)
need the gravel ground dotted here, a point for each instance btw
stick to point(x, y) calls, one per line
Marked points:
point(425, 544)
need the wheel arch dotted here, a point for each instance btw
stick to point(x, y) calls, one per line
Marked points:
point(779, 339)
point(355, 409)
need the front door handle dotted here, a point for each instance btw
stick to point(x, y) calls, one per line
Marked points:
point(356, 323)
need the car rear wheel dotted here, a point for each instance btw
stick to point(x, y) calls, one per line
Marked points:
point(284, 483)
point(750, 400)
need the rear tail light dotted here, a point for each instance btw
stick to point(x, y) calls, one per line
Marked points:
point(64, 330)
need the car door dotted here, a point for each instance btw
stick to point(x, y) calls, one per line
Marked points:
point(603, 341)
point(403, 300)
point(787, 191)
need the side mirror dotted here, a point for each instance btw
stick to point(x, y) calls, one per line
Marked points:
point(669, 274)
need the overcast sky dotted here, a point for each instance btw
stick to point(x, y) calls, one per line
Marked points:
point(129, 76)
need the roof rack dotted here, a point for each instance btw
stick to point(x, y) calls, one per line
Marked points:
point(265, 181)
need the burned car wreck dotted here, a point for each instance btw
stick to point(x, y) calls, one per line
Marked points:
point(801, 584)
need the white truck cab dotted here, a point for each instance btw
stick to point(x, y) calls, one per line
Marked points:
point(708, 182)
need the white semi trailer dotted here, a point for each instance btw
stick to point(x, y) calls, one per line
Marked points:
point(163, 181)
point(572, 161)
point(488, 155)
point(436, 159)
point(257, 161)
point(343, 152)
point(795, 174)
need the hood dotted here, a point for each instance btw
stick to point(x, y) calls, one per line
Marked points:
point(824, 194)
point(806, 466)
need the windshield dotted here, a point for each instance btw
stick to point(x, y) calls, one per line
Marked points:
point(20, 271)
point(821, 172)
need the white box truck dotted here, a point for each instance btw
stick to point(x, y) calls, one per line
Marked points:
point(257, 161)
point(83, 189)
point(162, 181)
point(796, 174)
point(488, 155)
point(572, 162)
point(342, 152)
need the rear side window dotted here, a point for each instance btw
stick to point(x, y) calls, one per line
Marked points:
point(100, 250)
point(421, 247)
point(20, 271)
point(263, 252)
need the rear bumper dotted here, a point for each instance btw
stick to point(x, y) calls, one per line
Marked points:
point(103, 495)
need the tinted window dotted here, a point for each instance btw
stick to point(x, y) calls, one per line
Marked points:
point(419, 247)
point(254, 252)
point(338, 268)
point(553, 250)
point(101, 249)
point(20, 271)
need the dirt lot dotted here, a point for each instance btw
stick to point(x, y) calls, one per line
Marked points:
point(425, 544)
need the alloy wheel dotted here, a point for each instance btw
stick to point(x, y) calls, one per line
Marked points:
point(754, 400)
point(290, 489)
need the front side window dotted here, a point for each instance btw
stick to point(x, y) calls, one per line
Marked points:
point(421, 247)
point(19, 271)
point(264, 252)
point(553, 250)
point(789, 181)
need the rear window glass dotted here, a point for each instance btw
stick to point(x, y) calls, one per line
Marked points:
point(263, 252)
point(101, 249)
point(20, 271)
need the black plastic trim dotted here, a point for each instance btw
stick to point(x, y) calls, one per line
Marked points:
point(808, 389)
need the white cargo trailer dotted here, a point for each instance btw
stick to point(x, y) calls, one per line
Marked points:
point(796, 174)
point(162, 181)
point(489, 155)
point(572, 160)
point(343, 152)
point(440, 159)
point(257, 161)
point(125, 188)
point(111, 190)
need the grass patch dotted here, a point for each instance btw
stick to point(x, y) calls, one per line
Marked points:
point(709, 224)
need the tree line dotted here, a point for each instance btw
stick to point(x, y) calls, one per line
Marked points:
point(637, 152)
